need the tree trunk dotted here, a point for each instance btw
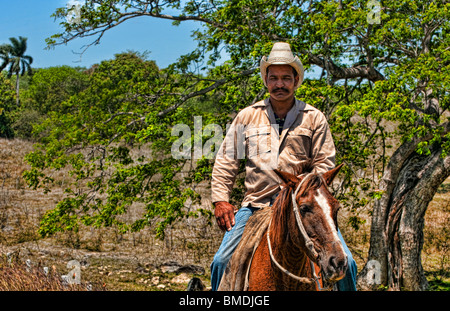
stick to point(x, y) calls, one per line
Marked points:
point(409, 184)
point(17, 89)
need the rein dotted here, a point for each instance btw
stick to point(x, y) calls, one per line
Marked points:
point(309, 245)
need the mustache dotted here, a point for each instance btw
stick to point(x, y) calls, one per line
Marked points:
point(280, 89)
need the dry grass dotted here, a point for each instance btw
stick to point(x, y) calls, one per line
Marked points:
point(18, 276)
point(133, 261)
point(436, 249)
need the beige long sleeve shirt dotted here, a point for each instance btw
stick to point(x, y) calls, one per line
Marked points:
point(254, 135)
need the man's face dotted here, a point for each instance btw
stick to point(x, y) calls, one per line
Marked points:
point(281, 82)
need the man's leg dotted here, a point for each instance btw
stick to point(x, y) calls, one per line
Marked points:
point(348, 283)
point(229, 243)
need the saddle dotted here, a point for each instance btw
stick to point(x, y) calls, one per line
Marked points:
point(235, 277)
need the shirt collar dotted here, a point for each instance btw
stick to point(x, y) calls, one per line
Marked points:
point(301, 105)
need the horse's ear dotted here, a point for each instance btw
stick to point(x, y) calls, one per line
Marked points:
point(331, 174)
point(289, 179)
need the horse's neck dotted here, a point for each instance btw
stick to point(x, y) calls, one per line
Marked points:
point(292, 258)
point(288, 254)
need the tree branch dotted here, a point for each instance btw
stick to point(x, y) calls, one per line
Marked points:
point(339, 73)
point(203, 91)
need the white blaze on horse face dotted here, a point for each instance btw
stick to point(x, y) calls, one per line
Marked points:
point(326, 208)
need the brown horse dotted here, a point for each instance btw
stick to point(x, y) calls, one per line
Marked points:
point(302, 234)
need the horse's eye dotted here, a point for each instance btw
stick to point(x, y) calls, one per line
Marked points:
point(305, 209)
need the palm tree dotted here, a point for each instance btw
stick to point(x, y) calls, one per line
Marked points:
point(14, 55)
point(4, 56)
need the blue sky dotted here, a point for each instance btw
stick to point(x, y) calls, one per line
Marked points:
point(31, 19)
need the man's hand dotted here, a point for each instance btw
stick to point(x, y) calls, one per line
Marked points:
point(224, 213)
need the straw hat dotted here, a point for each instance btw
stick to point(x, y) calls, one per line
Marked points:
point(281, 54)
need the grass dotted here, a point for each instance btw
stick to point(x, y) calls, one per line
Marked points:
point(436, 249)
point(16, 275)
point(439, 284)
point(133, 261)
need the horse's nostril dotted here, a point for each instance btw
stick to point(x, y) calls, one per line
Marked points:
point(345, 263)
point(338, 263)
point(333, 262)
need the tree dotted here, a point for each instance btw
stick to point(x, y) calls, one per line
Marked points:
point(42, 93)
point(384, 81)
point(7, 99)
point(14, 56)
point(4, 55)
point(49, 87)
point(93, 134)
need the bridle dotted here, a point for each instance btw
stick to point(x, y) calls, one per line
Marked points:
point(308, 243)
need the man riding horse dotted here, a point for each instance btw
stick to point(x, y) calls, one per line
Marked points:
point(303, 135)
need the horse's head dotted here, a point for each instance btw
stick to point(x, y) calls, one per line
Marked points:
point(315, 210)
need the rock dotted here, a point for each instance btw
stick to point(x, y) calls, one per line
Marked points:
point(170, 267)
point(175, 267)
point(181, 278)
point(191, 269)
point(141, 269)
point(155, 280)
point(195, 284)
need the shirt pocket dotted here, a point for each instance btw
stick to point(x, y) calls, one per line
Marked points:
point(257, 140)
point(299, 143)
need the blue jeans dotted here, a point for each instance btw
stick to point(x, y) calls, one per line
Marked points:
point(231, 240)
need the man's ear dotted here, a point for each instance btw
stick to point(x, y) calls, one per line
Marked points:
point(331, 174)
point(296, 80)
point(289, 179)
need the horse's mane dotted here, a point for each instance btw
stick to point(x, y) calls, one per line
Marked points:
point(303, 167)
point(283, 202)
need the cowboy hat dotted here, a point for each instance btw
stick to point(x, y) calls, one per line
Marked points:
point(281, 54)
